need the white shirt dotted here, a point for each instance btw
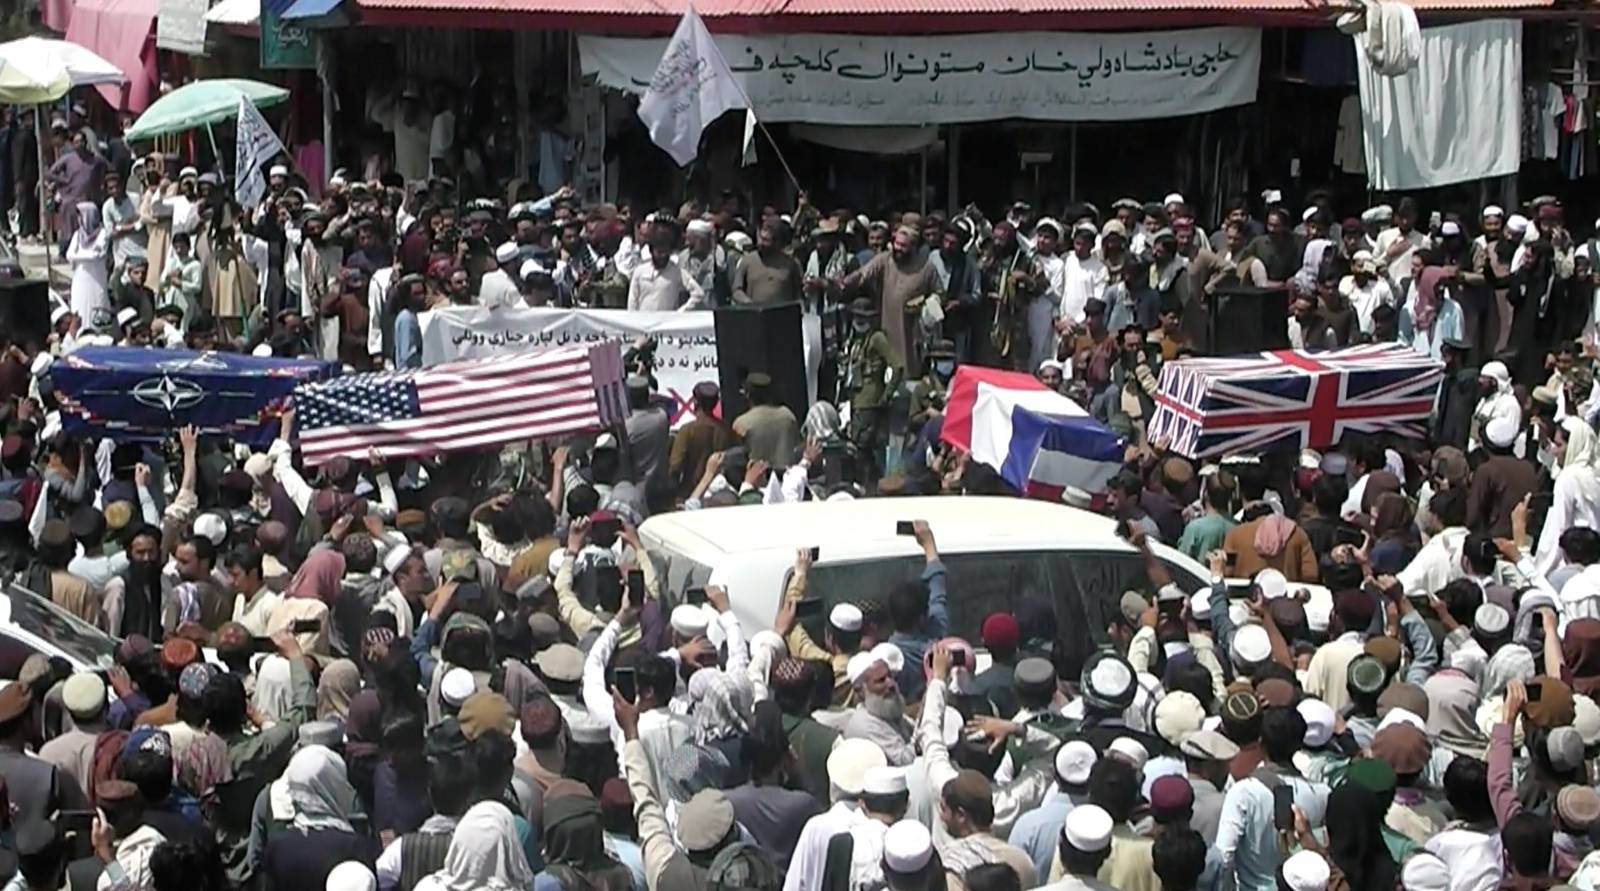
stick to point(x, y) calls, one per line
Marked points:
point(1399, 268)
point(1500, 405)
point(811, 850)
point(1436, 565)
point(657, 290)
point(497, 289)
point(1366, 298)
point(377, 290)
point(1080, 280)
point(1475, 858)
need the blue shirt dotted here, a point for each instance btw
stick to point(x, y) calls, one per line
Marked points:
point(914, 645)
point(1038, 832)
point(407, 340)
point(1247, 840)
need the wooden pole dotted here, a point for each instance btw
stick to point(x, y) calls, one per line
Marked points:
point(44, 213)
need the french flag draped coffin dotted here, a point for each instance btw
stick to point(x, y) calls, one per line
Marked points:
point(461, 406)
point(1247, 403)
point(1040, 441)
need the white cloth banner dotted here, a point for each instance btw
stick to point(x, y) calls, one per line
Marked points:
point(1456, 116)
point(686, 342)
point(181, 26)
point(867, 79)
point(257, 145)
point(690, 86)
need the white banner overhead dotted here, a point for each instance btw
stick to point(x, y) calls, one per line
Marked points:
point(860, 79)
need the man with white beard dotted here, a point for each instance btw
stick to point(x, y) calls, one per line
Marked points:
point(881, 716)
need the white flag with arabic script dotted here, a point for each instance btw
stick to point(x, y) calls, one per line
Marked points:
point(257, 145)
point(692, 86)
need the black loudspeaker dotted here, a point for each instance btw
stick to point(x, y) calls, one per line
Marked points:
point(1247, 320)
point(25, 311)
point(761, 338)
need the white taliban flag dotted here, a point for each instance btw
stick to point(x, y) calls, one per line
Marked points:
point(691, 88)
point(257, 145)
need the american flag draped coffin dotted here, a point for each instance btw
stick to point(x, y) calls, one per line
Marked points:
point(1293, 398)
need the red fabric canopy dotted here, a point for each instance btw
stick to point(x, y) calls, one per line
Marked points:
point(122, 32)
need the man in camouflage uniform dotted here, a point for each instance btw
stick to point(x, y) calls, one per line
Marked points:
point(871, 380)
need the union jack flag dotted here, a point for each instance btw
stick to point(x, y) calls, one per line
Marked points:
point(1244, 404)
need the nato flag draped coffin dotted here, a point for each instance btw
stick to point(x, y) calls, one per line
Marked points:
point(1040, 441)
point(464, 405)
point(132, 393)
point(1293, 398)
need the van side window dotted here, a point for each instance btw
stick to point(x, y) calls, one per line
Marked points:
point(1089, 589)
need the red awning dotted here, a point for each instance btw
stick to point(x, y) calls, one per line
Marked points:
point(122, 32)
point(875, 16)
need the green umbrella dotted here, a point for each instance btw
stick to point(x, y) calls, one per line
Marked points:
point(200, 103)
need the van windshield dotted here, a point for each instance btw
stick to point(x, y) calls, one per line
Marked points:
point(1084, 586)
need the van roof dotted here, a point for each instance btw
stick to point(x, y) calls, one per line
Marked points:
point(959, 523)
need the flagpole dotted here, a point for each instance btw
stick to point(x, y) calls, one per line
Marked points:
point(750, 107)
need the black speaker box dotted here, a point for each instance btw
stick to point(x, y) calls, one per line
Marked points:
point(25, 311)
point(761, 338)
point(1247, 320)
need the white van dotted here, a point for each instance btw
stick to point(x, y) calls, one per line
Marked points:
point(996, 551)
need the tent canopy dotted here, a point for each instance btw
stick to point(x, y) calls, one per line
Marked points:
point(34, 70)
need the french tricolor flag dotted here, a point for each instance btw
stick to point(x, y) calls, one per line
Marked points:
point(1040, 441)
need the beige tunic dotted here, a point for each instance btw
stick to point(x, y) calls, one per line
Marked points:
point(894, 285)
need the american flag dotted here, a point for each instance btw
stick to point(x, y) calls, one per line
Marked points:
point(461, 405)
point(1243, 404)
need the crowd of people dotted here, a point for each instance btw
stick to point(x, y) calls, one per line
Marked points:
point(470, 672)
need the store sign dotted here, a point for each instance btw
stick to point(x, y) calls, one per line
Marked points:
point(870, 80)
point(285, 43)
point(181, 26)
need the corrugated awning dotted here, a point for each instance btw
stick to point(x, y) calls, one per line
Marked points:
point(237, 13)
point(877, 16)
point(310, 9)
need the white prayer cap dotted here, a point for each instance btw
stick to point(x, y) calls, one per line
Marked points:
point(858, 665)
point(1088, 828)
point(529, 267)
point(1200, 605)
point(1131, 751)
point(278, 170)
point(126, 315)
point(1050, 223)
point(1271, 196)
point(1530, 235)
point(1500, 431)
point(1586, 718)
point(1272, 584)
point(58, 314)
point(1450, 227)
point(506, 252)
point(1171, 199)
point(41, 363)
point(395, 559)
point(846, 617)
point(849, 762)
point(457, 686)
point(1177, 715)
point(1306, 871)
point(1491, 619)
point(188, 173)
point(211, 526)
point(1401, 716)
point(1496, 370)
point(1493, 210)
point(739, 241)
point(1424, 872)
point(699, 227)
point(262, 351)
point(338, 178)
point(1074, 761)
point(884, 781)
point(889, 655)
point(351, 875)
point(1362, 261)
point(1318, 612)
point(1308, 213)
point(1516, 223)
point(1251, 644)
point(1319, 721)
point(907, 847)
point(689, 621)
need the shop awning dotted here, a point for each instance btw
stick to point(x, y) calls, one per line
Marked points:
point(235, 13)
point(875, 16)
point(121, 31)
point(310, 9)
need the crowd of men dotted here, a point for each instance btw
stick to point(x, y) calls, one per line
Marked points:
point(470, 672)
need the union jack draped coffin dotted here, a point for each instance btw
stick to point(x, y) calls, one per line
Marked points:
point(1293, 398)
